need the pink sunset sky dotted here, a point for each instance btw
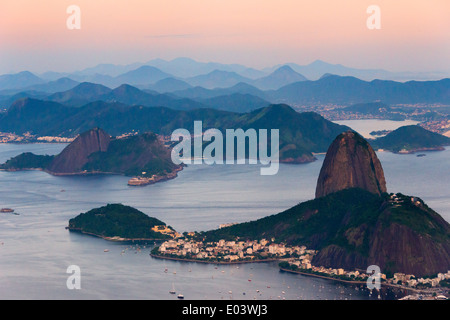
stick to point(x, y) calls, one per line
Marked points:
point(414, 34)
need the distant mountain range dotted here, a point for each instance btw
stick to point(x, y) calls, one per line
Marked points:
point(301, 134)
point(185, 68)
point(193, 73)
point(181, 95)
point(350, 90)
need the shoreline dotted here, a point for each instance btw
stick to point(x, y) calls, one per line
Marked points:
point(145, 182)
point(323, 277)
point(142, 181)
point(212, 262)
point(115, 238)
point(395, 286)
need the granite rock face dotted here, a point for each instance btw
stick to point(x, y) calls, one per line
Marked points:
point(75, 156)
point(350, 162)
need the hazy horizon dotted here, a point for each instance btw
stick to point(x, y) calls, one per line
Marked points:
point(413, 37)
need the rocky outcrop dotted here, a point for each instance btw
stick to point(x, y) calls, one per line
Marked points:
point(95, 152)
point(391, 244)
point(75, 156)
point(354, 223)
point(350, 163)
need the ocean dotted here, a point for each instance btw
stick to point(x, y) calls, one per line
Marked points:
point(36, 249)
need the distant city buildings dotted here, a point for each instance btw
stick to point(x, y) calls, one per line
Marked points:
point(7, 137)
point(227, 251)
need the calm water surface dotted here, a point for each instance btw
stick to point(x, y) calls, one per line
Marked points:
point(35, 248)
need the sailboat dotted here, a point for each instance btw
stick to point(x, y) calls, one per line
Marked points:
point(173, 290)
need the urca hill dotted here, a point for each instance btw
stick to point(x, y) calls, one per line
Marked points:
point(353, 222)
point(94, 151)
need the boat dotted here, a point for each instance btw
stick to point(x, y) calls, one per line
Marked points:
point(180, 296)
point(173, 290)
point(106, 250)
point(6, 210)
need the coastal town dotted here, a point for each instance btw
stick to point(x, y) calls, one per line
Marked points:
point(8, 137)
point(144, 180)
point(295, 259)
point(224, 251)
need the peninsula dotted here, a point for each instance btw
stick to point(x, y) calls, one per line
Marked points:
point(411, 139)
point(95, 152)
point(117, 222)
point(353, 223)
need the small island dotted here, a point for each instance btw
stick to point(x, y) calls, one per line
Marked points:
point(411, 139)
point(144, 158)
point(117, 222)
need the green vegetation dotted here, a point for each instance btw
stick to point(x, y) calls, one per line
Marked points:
point(411, 138)
point(117, 220)
point(315, 223)
point(352, 228)
point(27, 160)
point(304, 132)
point(132, 156)
point(415, 214)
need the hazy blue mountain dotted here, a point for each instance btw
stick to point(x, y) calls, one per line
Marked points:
point(108, 69)
point(81, 94)
point(351, 90)
point(53, 75)
point(133, 96)
point(58, 85)
point(169, 85)
point(217, 79)
point(187, 68)
point(33, 115)
point(125, 94)
point(202, 93)
point(19, 80)
point(142, 76)
point(102, 79)
point(318, 68)
point(89, 92)
point(279, 78)
point(7, 100)
point(236, 102)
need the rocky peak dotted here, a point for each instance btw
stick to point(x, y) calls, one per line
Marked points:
point(75, 155)
point(350, 162)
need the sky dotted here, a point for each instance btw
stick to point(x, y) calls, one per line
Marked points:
point(413, 36)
